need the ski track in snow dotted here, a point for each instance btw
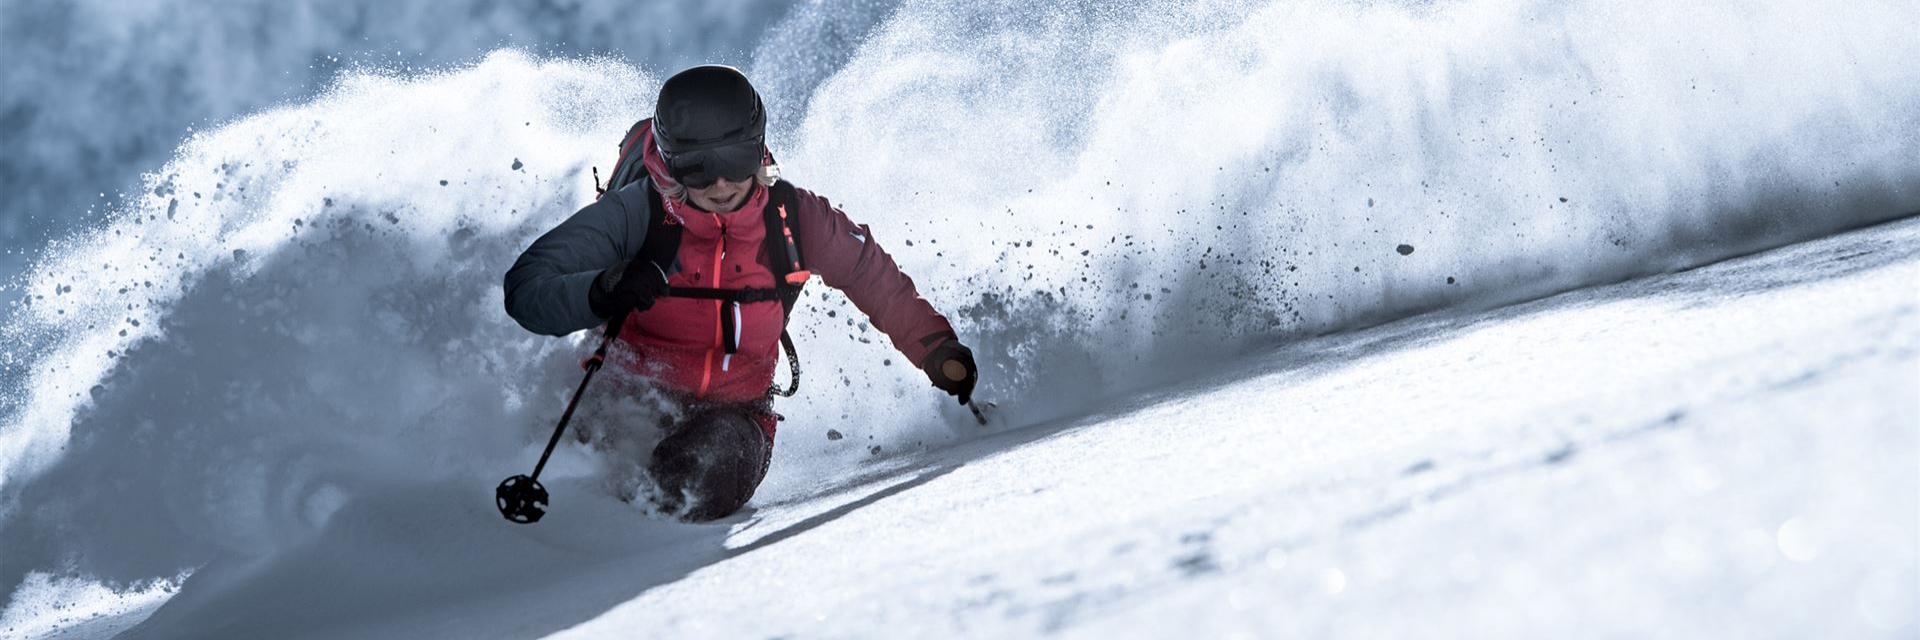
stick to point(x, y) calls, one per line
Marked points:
point(284, 355)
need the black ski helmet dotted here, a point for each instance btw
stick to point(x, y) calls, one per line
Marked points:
point(709, 123)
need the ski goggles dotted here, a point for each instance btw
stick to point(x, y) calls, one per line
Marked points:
point(700, 168)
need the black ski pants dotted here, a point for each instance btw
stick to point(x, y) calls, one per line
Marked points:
point(710, 463)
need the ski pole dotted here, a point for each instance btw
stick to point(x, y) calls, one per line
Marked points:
point(978, 415)
point(521, 498)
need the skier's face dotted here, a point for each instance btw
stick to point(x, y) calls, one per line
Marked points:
point(723, 195)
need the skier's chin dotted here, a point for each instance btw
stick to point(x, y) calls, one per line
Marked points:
point(719, 200)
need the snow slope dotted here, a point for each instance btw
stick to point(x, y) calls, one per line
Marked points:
point(1732, 451)
point(296, 318)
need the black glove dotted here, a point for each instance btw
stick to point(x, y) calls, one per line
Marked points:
point(627, 285)
point(951, 369)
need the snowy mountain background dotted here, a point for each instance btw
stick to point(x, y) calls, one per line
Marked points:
point(1241, 275)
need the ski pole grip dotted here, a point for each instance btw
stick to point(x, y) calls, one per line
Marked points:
point(953, 370)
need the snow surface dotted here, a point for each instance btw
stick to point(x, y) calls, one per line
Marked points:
point(1732, 451)
point(285, 355)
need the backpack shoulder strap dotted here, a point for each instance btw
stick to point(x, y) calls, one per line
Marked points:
point(783, 244)
point(662, 245)
point(789, 269)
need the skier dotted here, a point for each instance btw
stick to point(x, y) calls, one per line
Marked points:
point(708, 315)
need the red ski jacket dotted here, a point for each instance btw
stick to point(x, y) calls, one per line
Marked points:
point(679, 341)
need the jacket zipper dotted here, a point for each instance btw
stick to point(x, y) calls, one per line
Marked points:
point(719, 307)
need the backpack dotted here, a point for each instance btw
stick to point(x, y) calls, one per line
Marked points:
point(662, 246)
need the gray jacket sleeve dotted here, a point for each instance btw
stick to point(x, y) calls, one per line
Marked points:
point(546, 290)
